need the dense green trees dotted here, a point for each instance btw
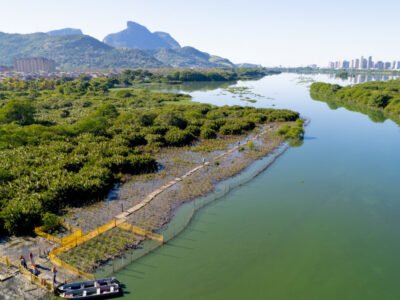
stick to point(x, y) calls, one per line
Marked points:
point(69, 142)
point(20, 112)
point(85, 85)
point(384, 96)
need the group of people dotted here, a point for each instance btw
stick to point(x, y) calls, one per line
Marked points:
point(34, 268)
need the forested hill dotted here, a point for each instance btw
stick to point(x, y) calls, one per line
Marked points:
point(72, 52)
point(379, 95)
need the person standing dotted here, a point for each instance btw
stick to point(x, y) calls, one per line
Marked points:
point(54, 271)
point(23, 262)
point(31, 259)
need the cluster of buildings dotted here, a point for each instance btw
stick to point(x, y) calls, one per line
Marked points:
point(39, 67)
point(31, 66)
point(364, 63)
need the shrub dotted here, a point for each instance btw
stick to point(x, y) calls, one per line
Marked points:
point(214, 125)
point(257, 118)
point(51, 222)
point(86, 104)
point(170, 118)
point(107, 111)
point(137, 139)
point(146, 119)
point(155, 139)
point(123, 94)
point(96, 126)
point(282, 115)
point(139, 164)
point(250, 145)
point(208, 133)
point(232, 128)
point(194, 130)
point(379, 100)
point(21, 215)
point(177, 137)
point(161, 130)
point(215, 115)
point(5, 176)
point(65, 113)
point(20, 112)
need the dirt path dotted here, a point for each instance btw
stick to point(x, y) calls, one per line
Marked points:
point(124, 215)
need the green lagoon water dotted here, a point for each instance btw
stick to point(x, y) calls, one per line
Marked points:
point(323, 222)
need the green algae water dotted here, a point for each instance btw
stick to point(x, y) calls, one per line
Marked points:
point(321, 223)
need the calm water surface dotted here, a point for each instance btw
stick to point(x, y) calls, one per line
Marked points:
point(322, 223)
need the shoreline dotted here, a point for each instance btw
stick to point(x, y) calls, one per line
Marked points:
point(232, 163)
point(173, 226)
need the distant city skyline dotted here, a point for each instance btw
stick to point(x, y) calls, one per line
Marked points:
point(272, 33)
point(364, 63)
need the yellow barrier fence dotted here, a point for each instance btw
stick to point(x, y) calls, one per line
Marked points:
point(76, 239)
point(36, 279)
point(32, 278)
point(62, 264)
point(39, 231)
point(5, 261)
point(76, 233)
point(71, 238)
point(142, 232)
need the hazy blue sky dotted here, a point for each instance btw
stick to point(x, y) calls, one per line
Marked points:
point(278, 32)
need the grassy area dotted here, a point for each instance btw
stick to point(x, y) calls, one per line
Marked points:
point(93, 253)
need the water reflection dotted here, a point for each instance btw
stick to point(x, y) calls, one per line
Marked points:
point(375, 116)
point(361, 78)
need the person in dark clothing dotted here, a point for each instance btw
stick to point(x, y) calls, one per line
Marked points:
point(31, 258)
point(54, 271)
point(35, 270)
point(23, 262)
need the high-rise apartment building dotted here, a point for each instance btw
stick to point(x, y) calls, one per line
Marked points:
point(370, 63)
point(345, 64)
point(34, 65)
point(379, 65)
point(357, 64)
point(363, 63)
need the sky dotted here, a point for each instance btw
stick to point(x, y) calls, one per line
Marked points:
point(268, 32)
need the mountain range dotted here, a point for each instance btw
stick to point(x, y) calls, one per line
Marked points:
point(134, 47)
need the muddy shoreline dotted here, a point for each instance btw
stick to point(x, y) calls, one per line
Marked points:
point(224, 160)
point(230, 166)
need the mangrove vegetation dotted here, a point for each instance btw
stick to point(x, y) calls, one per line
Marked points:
point(376, 96)
point(66, 142)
